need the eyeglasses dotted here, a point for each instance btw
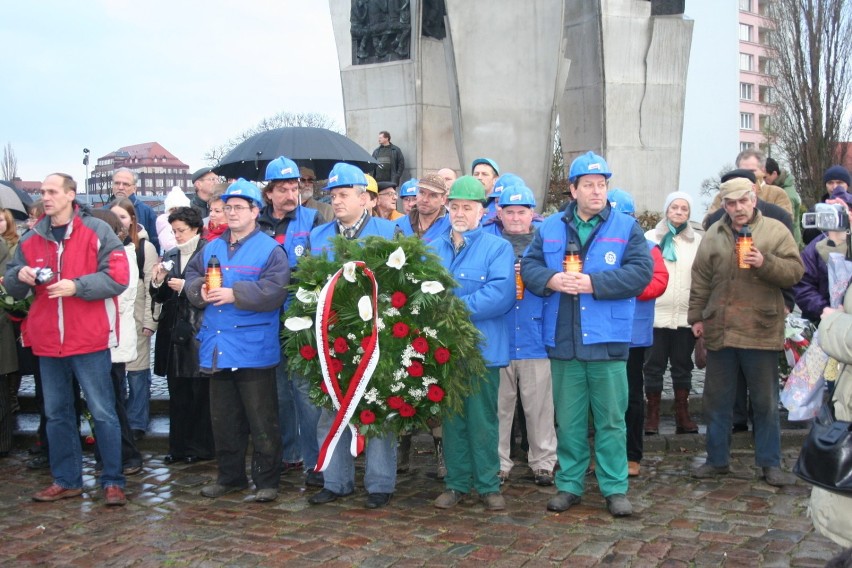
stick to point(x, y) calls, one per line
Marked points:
point(181, 231)
point(122, 184)
point(237, 208)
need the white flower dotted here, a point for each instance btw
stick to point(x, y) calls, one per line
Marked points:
point(298, 324)
point(396, 387)
point(410, 277)
point(351, 337)
point(349, 271)
point(415, 310)
point(365, 308)
point(356, 359)
point(400, 374)
point(430, 332)
point(397, 259)
point(381, 324)
point(431, 287)
point(306, 296)
point(429, 381)
point(371, 396)
point(391, 312)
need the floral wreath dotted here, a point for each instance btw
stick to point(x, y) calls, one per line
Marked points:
point(380, 337)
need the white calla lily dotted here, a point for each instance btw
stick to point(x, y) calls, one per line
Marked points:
point(298, 324)
point(397, 259)
point(365, 308)
point(349, 271)
point(306, 296)
point(431, 287)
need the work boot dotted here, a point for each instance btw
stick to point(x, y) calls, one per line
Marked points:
point(652, 413)
point(709, 471)
point(448, 499)
point(685, 425)
point(619, 505)
point(403, 453)
point(775, 477)
point(441, 470)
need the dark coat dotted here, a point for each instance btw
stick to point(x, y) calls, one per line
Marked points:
point(172, 359)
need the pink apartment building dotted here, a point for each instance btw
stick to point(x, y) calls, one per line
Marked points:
point(755, 79)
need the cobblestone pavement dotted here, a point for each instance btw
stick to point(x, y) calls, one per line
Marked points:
point(679, 521)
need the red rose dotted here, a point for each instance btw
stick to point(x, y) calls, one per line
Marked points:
point(400, 329)
point(435, 393)
point(416, 369)
point(307, 352)
point(395, 402)
point(367, 417)
point(406, 410)
point(398, 299)
point(336, 365)
point(420, 345)
point(340, 345)
point(442, 355)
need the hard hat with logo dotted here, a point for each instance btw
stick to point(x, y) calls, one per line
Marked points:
point(244, 189)
point(621, 201)
point(409, 188)
point(345, 175)
point(517, 195)
point(467, 187)
point(282, 168)
point(503, 182)
point(587, 164)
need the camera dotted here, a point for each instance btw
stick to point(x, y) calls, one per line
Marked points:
point(168, 265)
point(827, 217)
point(43, 275)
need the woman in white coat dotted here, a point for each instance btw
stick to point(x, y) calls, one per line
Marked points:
point(673, 339)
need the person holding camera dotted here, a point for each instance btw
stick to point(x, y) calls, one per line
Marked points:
point(76, 267)
point(811, 292)
point(176, 350)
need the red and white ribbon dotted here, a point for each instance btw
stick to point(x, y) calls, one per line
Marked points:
point(345, 403)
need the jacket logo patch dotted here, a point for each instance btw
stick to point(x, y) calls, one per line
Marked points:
point(610, 258)
point(299, 250)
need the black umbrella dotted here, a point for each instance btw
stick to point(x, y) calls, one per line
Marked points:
point(316, 148)
point(15, 200)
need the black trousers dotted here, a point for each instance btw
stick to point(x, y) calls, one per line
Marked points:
point(244, 402)
point(130, 456)
point(634, 418)
point(673, 346)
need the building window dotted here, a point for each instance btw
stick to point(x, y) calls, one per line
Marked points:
point(159, 182)
point(746, 146)
point(746, 62)
point(745, 5)
point(745, 32)
point(746, 121)
point(149, 182)
point(765, 94)
point(746, 91)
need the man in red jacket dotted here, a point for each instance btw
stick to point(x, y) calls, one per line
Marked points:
point(76, 267)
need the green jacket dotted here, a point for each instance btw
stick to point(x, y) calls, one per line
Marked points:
point(785, 181)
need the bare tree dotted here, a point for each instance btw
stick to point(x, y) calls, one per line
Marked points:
point(280, 120)
point(10, 163)
point(810, 56)
point(710, 186)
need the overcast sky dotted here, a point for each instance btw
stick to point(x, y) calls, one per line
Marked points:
point(102, 74)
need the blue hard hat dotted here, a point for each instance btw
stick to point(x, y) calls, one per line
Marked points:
point(409, 188)
point(588, 163)
point(244, 189)
point(517, 195)
point(621, 201)
point(503, 182)
point(487, 161)
point(282, 168)
point(345, 175)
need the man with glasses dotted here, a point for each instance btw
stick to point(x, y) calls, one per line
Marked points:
point(290, 224)
point(386, 203)
point(307, 183)
point(240, 348)
point(124, 184)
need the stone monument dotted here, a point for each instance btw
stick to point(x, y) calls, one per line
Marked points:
point(453, 80)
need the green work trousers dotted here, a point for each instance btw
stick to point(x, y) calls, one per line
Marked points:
point(576, 386)
point(471, 440)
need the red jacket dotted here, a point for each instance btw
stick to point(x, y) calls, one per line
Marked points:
point(92, 256)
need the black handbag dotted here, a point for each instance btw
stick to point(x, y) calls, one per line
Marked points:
point(826, 456)
point(182, 332)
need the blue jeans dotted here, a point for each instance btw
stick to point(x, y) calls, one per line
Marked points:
point(139, 383)
point(92, 371)
point(760, 369)
point(309, 415)
point(288, 418)
point(380, 454)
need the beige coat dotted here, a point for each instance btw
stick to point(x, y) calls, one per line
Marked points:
point(671, 308)
point(832, 512)
point(142, 311)
point(743, 308)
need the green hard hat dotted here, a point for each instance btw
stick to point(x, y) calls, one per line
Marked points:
point(467, 187)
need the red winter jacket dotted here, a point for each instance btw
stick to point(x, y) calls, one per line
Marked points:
point(92, 256)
